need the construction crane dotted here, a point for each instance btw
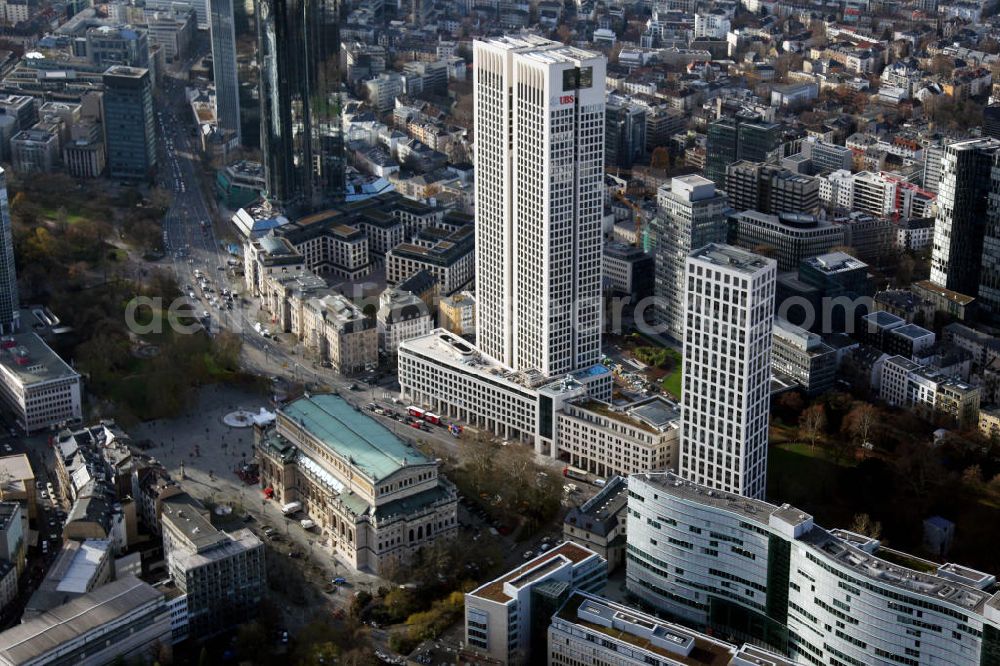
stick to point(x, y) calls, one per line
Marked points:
point(641, 237)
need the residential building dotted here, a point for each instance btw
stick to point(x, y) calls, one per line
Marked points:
point(908, 340)
point(17, 484)
point(963, 203)
point(792, 238)
point(446, 254)
point(124, 619)
point(826, 157)
point(86, 157)
point(299, 88)
point(337, 330)
point(383, 90)
point(959, 306)
point(727, 369)
point(803, 358)
point(769, 574)
point(401, 315)
point(36, 150)
point(129, 126)
point(744, 136)
point(691, 214)
point(457, 313)
point(930, 392)
point(590, 629)
point(224, 70)
point(39, 388)
point(221, 574)
point(539, 203)
point(599, 523)
point(604, 440)
point(377, 498)
point(915, 234)
point(79, 568)
point(769, 188)
point(8, 584)
point(13, 534)
point(504, 617)
point(10, 317)
point(989, 423)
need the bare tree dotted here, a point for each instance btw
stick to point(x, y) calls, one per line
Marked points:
point(860, 422)
point(812, 423)
point(863, 524)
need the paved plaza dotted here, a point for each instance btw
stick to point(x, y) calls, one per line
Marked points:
point(202, 453)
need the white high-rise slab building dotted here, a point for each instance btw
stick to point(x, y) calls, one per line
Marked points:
point(539, 118)
point(727, 369)
point(9, 301)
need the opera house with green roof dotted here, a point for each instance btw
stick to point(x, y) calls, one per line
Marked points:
point(378, 498)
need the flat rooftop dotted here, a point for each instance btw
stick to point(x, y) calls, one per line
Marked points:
point(756, 510)
point(544, 564)
point(938, 290)
point(645, 632)
point(367, 443)
point(658, 412)
point(600, 514)
point(37, 637)
point(728, 256)
point(888, 573)
point(185, 514)
point(26, 357)
point(832, 263)
point(912, 331)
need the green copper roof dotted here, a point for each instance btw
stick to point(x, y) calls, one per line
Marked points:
point(367, 443)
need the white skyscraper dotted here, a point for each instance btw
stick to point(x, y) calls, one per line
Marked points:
point(539, 119)
point(692, 214)
point(9, 302)
point(227, 83)
point(727, 369)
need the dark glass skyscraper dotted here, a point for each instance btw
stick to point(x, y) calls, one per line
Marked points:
point(744, 136)
point(301, 135)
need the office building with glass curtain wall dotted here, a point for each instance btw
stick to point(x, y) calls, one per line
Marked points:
point(301, 132)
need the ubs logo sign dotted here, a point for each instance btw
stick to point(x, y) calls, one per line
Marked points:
point(566, 99)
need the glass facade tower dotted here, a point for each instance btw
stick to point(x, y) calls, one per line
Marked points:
point(301, 131)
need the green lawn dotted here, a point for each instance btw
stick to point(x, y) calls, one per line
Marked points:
point(53, 214)
point(672, 382)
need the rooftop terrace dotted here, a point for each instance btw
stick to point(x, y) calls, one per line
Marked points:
point(532, 571)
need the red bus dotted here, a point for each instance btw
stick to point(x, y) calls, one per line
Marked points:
point(432, 418)
point(415, 411)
